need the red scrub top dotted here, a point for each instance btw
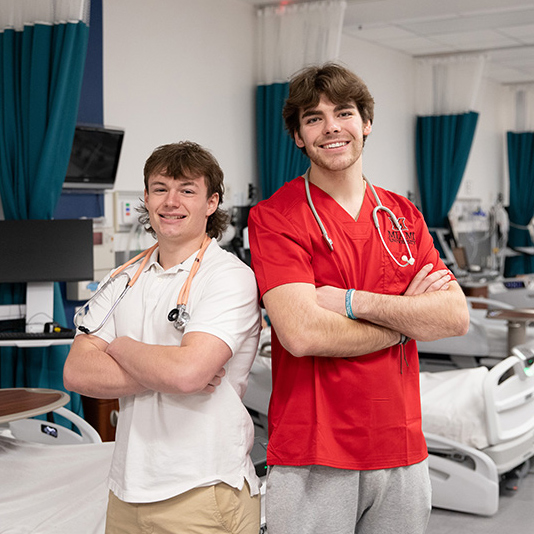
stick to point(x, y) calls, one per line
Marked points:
point(351, 413)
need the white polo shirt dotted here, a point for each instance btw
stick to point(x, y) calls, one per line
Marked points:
point(168, 444)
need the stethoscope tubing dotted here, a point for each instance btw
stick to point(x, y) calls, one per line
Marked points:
point(108, 315)
point(407, 260)
point(145, 255)
point(178, 316)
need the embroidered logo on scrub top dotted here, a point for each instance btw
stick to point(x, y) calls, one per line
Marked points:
point(395, 236)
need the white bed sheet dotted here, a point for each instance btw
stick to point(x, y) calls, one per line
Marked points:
point(53, 489)
point(453, 405)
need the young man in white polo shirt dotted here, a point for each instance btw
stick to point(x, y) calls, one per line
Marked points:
point(181, 460)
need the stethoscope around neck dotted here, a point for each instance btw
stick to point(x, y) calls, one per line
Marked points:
point(178, 315)
point(405, 259)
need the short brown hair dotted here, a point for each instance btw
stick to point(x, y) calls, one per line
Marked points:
point(337, 83)
point(188, 160)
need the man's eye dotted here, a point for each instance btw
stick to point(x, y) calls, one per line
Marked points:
point(311, 120)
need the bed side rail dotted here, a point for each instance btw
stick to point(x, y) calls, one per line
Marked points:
point(509, 397)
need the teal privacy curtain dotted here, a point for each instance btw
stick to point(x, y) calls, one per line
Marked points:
point(42, 51)
point(443, 144)
point(279, 158)
point(521, 209)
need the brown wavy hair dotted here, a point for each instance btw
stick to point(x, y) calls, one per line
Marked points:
point(337, 83)
point(188, 159)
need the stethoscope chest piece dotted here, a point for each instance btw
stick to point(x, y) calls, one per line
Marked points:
point(179, 317)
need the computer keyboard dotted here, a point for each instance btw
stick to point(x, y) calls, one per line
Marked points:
point(65, 334)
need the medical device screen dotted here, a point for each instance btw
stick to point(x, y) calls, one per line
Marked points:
point(94, 158)
point(514, 284)
point(46, 251)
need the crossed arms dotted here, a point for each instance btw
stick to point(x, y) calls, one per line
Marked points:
point(311, 321)
point(126, 367)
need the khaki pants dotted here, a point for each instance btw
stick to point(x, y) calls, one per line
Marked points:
point(213, 509)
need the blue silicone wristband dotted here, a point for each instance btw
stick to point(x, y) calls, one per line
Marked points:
point(348, 304)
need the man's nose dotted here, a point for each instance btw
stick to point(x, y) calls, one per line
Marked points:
point(172, 198)
point(331, 125)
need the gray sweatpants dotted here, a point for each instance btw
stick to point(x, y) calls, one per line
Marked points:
point(324, 500)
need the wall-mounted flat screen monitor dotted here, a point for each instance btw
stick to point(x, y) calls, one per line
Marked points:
point(94, 158)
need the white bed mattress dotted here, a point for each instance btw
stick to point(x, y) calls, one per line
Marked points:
point(48, 489)
point(453, 405)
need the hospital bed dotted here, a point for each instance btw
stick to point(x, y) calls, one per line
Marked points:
point(479, 426)
point(54, 476)
point(478, 423)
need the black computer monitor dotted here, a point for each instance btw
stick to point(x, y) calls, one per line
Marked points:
point(94, 158)
point(41, 252)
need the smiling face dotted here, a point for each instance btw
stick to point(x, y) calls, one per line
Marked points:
point(332, 134)
point(179, 208)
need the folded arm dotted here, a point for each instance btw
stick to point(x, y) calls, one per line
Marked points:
point(196, 365)
point(91, 371)
point(127, 367)
point(306, 329)
point(433, 306)
point(424, 317)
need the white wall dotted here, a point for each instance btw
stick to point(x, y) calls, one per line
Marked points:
point(181, 69)
point(486, 173)
point(186, 69)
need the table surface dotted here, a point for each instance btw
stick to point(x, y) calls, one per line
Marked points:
point(21, 403)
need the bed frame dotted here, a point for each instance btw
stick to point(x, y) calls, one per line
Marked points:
point(55, 433)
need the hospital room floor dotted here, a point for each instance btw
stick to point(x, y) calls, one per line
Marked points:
point(515, 515)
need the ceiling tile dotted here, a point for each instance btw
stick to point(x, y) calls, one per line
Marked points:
point(418, 46)
point(381, 33)
point(476, 40)
point(523, 33)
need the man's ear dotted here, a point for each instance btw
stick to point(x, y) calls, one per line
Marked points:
point(298, 141)
point(213, 204)
point(367, 128)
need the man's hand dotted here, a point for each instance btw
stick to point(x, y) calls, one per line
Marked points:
point(425, 281)
point(214, 382)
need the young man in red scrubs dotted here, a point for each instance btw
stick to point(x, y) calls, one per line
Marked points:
point(346, 449)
